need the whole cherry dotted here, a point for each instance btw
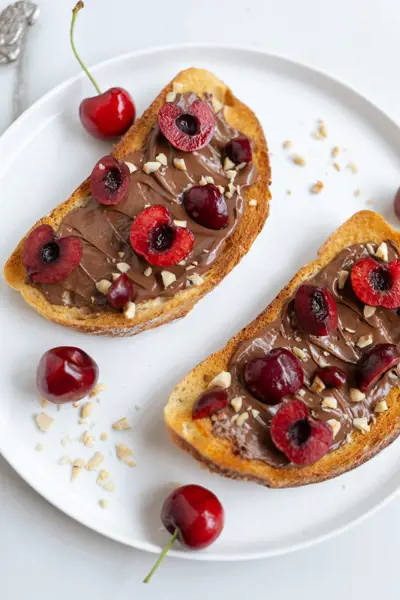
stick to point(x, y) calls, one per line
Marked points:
point(109, 114)
point(66, 374)
point(193, 515)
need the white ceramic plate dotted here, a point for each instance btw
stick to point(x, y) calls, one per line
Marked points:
point(43, 157)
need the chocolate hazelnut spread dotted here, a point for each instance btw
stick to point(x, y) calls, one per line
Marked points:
point(252, 438)
point(104, 230)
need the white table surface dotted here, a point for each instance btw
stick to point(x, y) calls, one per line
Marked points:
point(46, 555)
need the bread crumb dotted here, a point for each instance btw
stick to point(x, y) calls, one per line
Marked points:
point(87, 410)
point(100, 387)
point(322, 131)
point(177, 87)
point(76, 405)
point(369, 202)
point(287, 144)
point(39, 448)
point(335, 151)
point(336, 166)
point(216, 104)
point(253, 202)
point(130, 310)
point(77, 467)
point(95, 461)
point(170, 97)
point(317, 187)
point(124, 454)
point(87, 439)
point(298, 160)
point(103, 503)
point(121, 424)
point(44, 422)
point(104, 436)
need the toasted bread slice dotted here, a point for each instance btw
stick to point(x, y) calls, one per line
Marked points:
point(153, 313)
point(218, 454)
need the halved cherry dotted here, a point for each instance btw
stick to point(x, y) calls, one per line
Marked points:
point(109, 181)
point(187, 130)
point(207, 206)
point(209, 403)
point(315, 310)
point(377, 284)
point(120, 292)
point(239, 150)
point(49, 259)
point(155, 237)
point(375, 363)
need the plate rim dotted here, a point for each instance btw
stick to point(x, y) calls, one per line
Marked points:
point(4, 139)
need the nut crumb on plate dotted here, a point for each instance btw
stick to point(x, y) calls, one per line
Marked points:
point(104, 436)
point(95, 461)
point(39, 448)
point(64, 460)
point(44, 422)
point(298, 160)
point(43, 402)
point(87, 410)
point(352, 167)
point(317, 187)
point(103, 503)
point(287, 144)
point(336, 166)
point(121, 424)
point(87, 439)
point(125, 454)
point(100, 387)
point(335, 151)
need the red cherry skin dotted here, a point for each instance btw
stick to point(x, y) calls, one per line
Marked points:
point(120, 292)
point(109, 114)
point(197, 514)
point(66, 374)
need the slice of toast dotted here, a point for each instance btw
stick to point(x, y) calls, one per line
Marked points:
point(152, 313)
point(218, 454)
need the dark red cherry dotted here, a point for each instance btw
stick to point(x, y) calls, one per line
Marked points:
point(66, 374)
point(302, 439)
point(207, 206)
point(375, 362)
point(109, 181)
point(48, 259)
point(274, 376)
point(120, 292)
point(209, 403)
point(190, 129)
point(111, 113)
point(193, 515)
point(315, 310)
point(239, 150)
point(155, 237)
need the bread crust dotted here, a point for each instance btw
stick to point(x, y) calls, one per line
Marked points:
point(153, 313)
point(218, 454)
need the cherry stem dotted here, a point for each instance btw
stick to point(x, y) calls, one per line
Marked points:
point(162, 555)
point(71, 37)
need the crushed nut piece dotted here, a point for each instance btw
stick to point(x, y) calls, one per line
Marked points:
point(100, 387)
point(352, 167)
point(103, 503)
point(77, 467)
point(317, 385)
point(64, 460)
point(287, 144)
point(342, 278)
point(236, 403)
point(335, 426)
point(121, 424)
point(177, 87)
point(364, 341)
point(170, 97)
point(124, 454)
point(222, 380)
point(64, 441)
point(255, 413)
point(335, 151)
point(87, 439)
point(104, 480)
point(130, 310)
point(382, 252)
point(336, 166)
point(148, 272)
point(231, 174)
point(103, 286)
point(301, 393)
point(361, 423)
point(179, 163)
point(115, 276)
point(121, 254)
point(298, 160)
point(95, 461)
point(43, 402)
point(369, 311)
point(104, 436)
point(299, 352)
point(370, 249)
point(123, 267)
point(168, 278)
point(322, 131)
point(242, 418)
point(44, 422)
point(161, 158)
point(216, 104)
point(151, 167)
point(130, 166)
point(234, 418)
point(289, 192)
point(381, 407)
point(87, 410)
point(317, 187)
point(356, 395)
point(349, 330)
point(180, 223)
point(228, 164)
point(195, 279)
point(329, 402)
point(241, 166)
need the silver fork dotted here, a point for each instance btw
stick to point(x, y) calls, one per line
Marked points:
point(14, 22)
